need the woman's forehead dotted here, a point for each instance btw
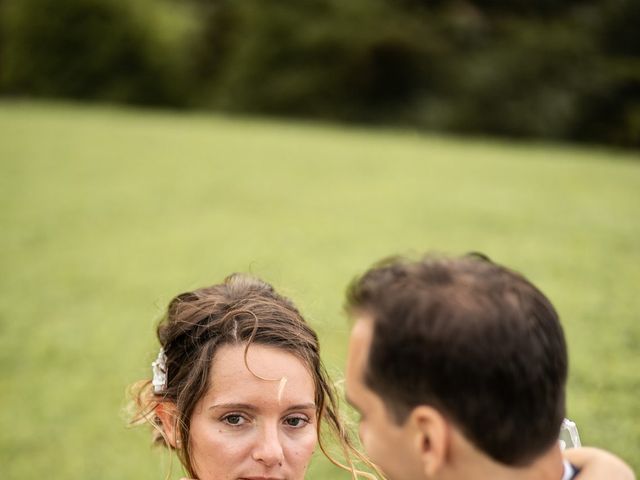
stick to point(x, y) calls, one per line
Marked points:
point(274, 377)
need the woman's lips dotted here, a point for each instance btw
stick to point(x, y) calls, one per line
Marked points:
point(261, 478)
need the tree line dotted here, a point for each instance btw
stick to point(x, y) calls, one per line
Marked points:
point(552, 69)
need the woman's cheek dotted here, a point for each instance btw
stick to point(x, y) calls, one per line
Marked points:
point(218, 452)
point(302, 449)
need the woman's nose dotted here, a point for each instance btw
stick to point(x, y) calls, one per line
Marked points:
point(268, 449)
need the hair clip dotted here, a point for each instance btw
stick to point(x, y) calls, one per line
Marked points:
point(569, 437)
point(159, 368)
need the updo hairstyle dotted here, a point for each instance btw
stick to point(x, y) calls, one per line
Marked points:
point(242, 310)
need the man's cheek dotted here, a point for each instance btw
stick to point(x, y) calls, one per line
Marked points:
point(369, 443)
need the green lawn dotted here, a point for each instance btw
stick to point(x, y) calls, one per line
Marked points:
point(106, 213)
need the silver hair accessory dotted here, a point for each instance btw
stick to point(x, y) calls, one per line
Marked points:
point(159, 367)
point(569, 437)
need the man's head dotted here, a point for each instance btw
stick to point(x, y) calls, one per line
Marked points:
point(447, 350)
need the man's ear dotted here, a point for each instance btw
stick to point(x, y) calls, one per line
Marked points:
point(167, 413)
point(433, 437)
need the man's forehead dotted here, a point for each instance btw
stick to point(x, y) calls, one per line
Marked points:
point(359, 342)
point(362, 330)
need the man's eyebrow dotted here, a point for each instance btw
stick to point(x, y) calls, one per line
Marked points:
point(350, 400)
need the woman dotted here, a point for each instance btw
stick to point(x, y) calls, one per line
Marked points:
point(239, 391)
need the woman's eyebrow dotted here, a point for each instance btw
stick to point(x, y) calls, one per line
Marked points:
point(302, 406)
point(254, 408)
point(234, 406)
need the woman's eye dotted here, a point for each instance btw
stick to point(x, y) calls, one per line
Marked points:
point(296, 422)
point(234, 419)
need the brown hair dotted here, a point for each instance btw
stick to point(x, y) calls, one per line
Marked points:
point(475, 340)
point(241, 310)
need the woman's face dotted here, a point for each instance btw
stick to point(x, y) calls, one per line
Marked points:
point(251, 428)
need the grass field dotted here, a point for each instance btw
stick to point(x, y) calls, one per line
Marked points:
point(106, 213)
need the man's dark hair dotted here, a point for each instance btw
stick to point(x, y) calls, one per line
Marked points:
point(473, 339)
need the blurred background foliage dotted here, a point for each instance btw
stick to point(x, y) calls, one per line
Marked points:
point(550, 69)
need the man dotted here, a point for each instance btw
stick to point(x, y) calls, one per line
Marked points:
point(458, 368)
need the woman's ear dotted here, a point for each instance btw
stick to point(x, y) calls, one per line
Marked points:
point(167, 413)
point(433, 438)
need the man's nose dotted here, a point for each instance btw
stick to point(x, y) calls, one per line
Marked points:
point(268, 449)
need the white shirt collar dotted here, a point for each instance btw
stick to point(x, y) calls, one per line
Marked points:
point(569, 471)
